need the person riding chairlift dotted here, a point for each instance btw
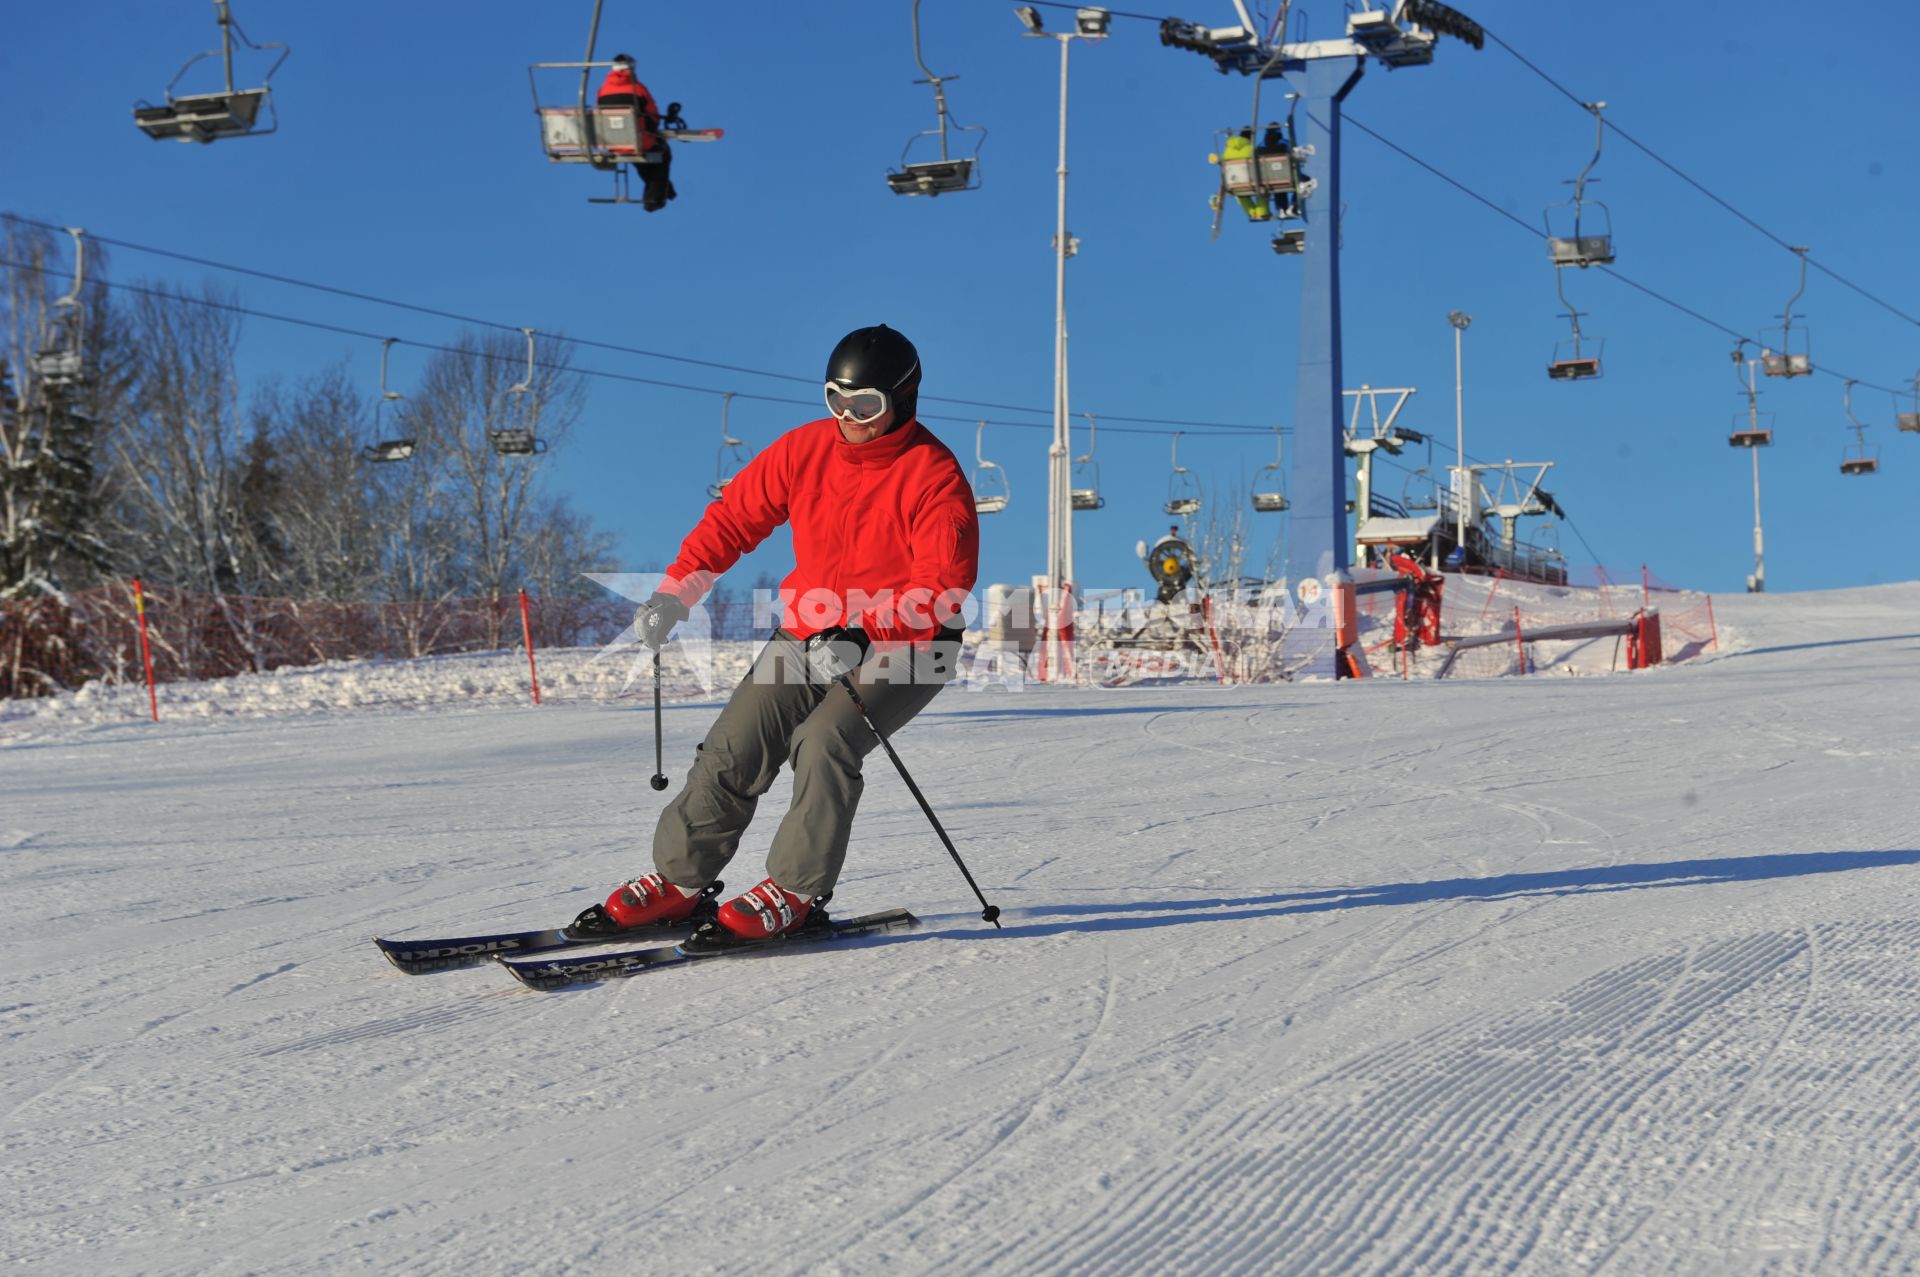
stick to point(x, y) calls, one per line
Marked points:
point(621, 89)
point(1240, 147)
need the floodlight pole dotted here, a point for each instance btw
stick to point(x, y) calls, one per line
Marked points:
point(1057, 618)
point(1459, 320)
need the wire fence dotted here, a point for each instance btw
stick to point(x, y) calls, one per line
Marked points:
point(59, 643)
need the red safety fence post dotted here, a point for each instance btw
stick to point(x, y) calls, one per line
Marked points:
point(1213, 633)
point(146, 648)
point(1519, 640)
point(1712, 625)
point(1492, 592)
point(526, 632)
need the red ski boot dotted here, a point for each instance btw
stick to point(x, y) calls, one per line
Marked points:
point(647, 902)
point(766, 911)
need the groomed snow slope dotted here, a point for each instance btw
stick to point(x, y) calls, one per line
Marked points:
point(1608, 975)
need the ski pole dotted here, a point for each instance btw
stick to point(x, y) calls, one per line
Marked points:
point(988, 913)
point(659, 780)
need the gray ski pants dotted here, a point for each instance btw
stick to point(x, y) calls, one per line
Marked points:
point(776, 716)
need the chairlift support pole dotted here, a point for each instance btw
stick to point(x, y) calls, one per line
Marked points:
point(1757, 583)
point(226, 39)
point(1462, 479)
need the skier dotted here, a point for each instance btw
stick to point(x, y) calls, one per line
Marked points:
point(886, 547)
point(621, 90)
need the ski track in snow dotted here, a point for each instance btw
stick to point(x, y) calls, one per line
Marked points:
point(1606, 975)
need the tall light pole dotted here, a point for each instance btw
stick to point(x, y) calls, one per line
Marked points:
point(1057, 621)
point(1461, 476)
point(1753, 438)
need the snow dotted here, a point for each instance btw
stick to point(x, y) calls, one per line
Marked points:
point(1612, 975)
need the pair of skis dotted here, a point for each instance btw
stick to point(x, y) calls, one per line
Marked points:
point(547, 959)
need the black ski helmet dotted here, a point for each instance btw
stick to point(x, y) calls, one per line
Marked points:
point(878, 358)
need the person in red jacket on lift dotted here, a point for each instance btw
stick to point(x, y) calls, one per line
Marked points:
point(621, 89)
point(886, 548)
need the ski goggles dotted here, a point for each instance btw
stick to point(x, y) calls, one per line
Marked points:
point(860, 406)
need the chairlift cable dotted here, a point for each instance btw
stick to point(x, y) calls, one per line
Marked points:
point(1537, 233)
point(1690, 180)
point(611, 347)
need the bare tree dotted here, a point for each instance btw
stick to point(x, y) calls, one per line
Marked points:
point(322, 510)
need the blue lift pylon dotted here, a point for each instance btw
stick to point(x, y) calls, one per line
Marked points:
point(1323, 73)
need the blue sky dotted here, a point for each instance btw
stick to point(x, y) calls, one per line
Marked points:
point(408, 165)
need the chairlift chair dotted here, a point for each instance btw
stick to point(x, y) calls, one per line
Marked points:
point(1578, 357)
point(519, 441)
point(1910, 421)
point(1580, 245)
point(1084, 489)
point(1269, 484)
point(733, 456)
point(1788, 361)
point(1859, 462)
point(61, 359)
point(948, 172)
point(1183, 490)
point(991, 492)
point(207, 117)
point(1748, 435)
point(1420, 491)
point(386, 449)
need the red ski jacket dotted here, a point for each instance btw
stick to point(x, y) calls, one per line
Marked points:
point(885, 535)
point(621, 89)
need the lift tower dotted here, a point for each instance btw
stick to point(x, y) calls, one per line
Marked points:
point(1322, 72)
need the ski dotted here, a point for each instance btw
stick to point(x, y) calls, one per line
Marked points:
point(560, 972)
point(418, 957)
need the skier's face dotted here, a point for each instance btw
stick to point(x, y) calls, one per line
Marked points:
point(867, 432)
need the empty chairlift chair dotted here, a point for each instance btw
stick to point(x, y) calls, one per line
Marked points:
point(1755, 429)
point(1910, 421)
point(1580, 230)
point(1794, 357)
point(1084, 489)
point(381, 450)
point(1183, 490)
point(934, 162)
point(733, 456)
point(61, 359)
point(520, 441)
point(991, 491)
point(1859, 462)
point(1270, 483)
point(208, 117)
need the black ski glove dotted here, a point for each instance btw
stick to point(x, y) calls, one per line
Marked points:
point(836, 652)
point(654, 622)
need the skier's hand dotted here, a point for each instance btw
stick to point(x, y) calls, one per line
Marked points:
point(654, 622)
point(834, 653)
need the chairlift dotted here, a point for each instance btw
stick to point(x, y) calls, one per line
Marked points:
point(1420, 492)
point(1859, 462)
point(207, 117)
point(1269, 483)
point(61, 359)
point(948, 172)
point(1582, 247)
point(733, 456)
point(1264, 177)
point(606, 137)
point(991, 492)
point(1786, 361)
point(1084, 489)
point(519, 441)
point(1290, 243)
point(386, 449)
point(1183, 490)
point(1753, 434)
point(1910, 421)
point(1577, 358)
